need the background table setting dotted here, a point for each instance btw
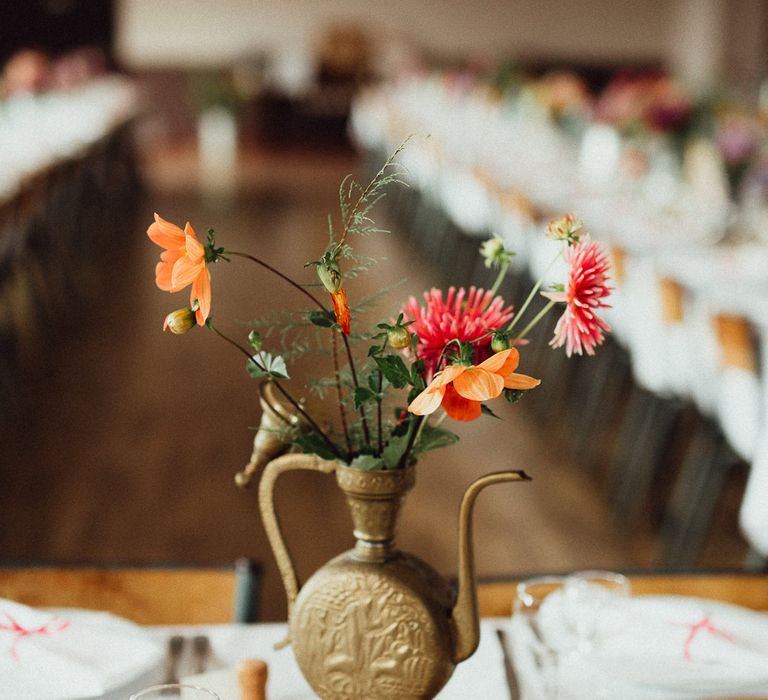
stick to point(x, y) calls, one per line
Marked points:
point(104, 656)
point(594, 634)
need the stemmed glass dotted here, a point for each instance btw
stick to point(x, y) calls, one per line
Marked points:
point(590, 596)
point(536, 619)
point(179, 690)
point(556, 618)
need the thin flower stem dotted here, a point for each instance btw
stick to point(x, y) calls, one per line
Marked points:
point(490, 331)
point(335, 353)
point(281, 276)
point(378, 399)
point(528, 300)
point(534, 321)
point(367, 189)
point(321, 306)
point(350, 359)
point(415, 435)
point(280, 388)
point(455, 341)
point(496, 284)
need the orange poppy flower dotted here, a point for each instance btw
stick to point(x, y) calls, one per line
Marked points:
point(182, 263)
point(461, 389)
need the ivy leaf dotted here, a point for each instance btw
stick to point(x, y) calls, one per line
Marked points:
point(367, 462)
point(433, 438)
point(273, 366)
point(394, 369)
point(364, 395)
point(321, 318)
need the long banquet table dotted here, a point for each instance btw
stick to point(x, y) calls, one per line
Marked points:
point(482, 676)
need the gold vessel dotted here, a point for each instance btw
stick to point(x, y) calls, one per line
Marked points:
point(375, 622)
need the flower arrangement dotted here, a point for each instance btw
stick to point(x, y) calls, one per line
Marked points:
point(451, 353)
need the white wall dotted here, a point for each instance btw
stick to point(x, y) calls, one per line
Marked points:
point(188, 32)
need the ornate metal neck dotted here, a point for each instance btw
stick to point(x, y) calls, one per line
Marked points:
point(374, 499)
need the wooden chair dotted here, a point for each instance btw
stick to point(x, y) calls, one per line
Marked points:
point(146, 594)
point(495, 598)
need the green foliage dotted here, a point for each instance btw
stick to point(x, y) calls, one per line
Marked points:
point(395, 450)
point(265, 364)
point(255, 341)
point(324, 319)
point(312, 443)
point(513, 395)
point(363, 395)
point(394, 370)
point(367, 462)
point(365, 439)
point(432, 438)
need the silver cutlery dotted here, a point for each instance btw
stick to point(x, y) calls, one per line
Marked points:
point(201, 651)
point(509, 671)
point(172, 657)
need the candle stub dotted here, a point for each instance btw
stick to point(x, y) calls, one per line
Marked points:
point(252, 676)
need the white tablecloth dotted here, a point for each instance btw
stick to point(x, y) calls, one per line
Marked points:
point(481, 676)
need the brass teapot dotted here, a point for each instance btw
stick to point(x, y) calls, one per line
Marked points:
point(376, 622)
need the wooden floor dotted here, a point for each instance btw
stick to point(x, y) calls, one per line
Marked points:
point(123, 442)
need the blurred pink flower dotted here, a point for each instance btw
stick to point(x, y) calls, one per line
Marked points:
point(461, 316)
point(579, 328)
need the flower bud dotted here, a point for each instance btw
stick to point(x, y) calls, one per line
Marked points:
point(500, 341)
point(330, 276)
point(494, 253)
point(255, 341)
point(566, 228)
point(179, 321)
point(398, 337)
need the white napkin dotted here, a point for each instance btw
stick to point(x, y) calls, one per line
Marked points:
point(753, 514)
point(47, 655)
point(658, 647)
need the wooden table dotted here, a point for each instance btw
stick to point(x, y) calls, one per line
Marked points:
point(746, 589)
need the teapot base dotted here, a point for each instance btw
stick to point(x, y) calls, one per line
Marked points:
point(362, 629)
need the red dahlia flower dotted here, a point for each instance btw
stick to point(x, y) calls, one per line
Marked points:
point(579, 328)
point(461, 316)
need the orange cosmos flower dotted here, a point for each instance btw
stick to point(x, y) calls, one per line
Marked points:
point(182, 263)
point(460, 389)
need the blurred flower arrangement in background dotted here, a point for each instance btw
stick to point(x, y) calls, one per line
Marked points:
point(453, 353)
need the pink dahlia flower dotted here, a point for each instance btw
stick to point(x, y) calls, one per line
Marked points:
point(460, 316)
point(579, 328)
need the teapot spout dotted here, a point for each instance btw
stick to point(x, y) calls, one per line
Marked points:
point(465, 617)
point(269, 441)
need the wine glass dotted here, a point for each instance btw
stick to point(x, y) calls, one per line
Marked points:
point(558, 620)
point(591, 595)
point(537, 635)
point(180, 690)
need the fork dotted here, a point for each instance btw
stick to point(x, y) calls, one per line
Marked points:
point(201, 651)
point(509, 670)
point(175, 647)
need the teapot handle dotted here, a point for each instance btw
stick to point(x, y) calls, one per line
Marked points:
point(274, 469)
